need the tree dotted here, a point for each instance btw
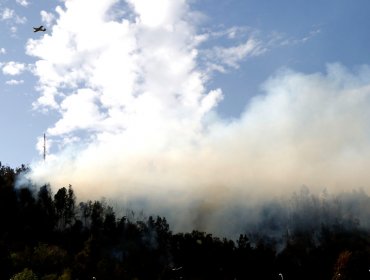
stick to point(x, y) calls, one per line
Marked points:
point(47, 215)
point(49, 258)
point(66, 275)
point(97, 216)
point(85, 212)
point(26, 274)
point(8, 201)
point(27, 213)
point(65, 203)
point(110, 223)
point(341, 266)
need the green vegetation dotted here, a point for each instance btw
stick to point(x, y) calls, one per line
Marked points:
point(48, 236)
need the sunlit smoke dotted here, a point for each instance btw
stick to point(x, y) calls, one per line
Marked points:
point(139, 125)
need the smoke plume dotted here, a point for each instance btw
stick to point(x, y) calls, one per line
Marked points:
point(139, 125)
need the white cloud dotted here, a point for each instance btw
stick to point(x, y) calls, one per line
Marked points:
point(7, 14)
point(20, 20)
point(308, 129)
point(2, 51)
point(80, 111)
point(279, 39)
point(13, 68)
point(160, 13)
point(13, 29)
point(23, 3)
point(101, 53)
point(231, 47)
point(234, 32)
point(10, 15)
point(47, 18)
point(310, 35)
point(132, 91)
point(240, 43)
point(232, 56)
point(14, 82)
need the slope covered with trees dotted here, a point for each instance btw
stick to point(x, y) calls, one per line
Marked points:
point(49, 236)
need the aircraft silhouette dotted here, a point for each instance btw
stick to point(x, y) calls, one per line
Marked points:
point(40, 28)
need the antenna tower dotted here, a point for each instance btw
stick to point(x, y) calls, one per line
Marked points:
point(44, 146)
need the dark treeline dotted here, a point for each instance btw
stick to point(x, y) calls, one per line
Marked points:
point(50, 236)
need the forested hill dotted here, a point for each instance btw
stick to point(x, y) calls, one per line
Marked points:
point(49, 236)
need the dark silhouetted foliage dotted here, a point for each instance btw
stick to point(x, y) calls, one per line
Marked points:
point(47, 236)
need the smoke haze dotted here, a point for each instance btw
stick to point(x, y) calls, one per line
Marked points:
point(138, 124)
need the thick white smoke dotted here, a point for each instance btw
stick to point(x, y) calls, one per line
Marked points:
point(137, 123)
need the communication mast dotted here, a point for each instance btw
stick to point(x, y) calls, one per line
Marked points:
point(44, 146)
